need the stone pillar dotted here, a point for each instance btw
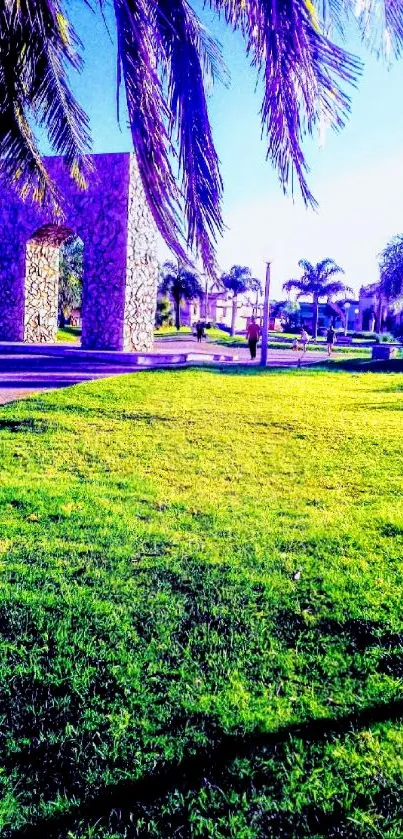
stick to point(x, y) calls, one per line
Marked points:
point(120, 266)
point(41, 291)
point(141, 269)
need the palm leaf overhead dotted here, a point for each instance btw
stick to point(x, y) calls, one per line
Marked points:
point(190, 56)
point(301, 71)
point(36, 45)
point(166, 60)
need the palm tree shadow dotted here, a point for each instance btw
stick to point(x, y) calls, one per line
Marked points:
point(210, 765)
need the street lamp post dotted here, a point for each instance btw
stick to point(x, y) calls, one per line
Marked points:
point(346, 308)
point(206, 302)
point(265, 325)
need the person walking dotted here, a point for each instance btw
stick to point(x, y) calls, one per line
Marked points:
point(303, 339)
point(253, 333)
point(330, 339)
point(199, 331)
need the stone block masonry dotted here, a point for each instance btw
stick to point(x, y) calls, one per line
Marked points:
point(114, 223)
point(141, 269)
point(41, 288)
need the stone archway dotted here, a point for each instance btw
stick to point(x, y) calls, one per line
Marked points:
point(112, 218)
point(42, 272)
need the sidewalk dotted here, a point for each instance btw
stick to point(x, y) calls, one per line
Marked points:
point(25, 370)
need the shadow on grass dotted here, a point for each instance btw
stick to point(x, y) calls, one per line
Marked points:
point(50, 763)
point(34, 426)
point(358, 634)
point(210, 766)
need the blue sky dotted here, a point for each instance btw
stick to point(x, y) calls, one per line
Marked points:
point(357, 176)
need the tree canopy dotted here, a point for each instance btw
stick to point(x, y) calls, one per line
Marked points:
point(317, 281)
point(391, 269)
point(70, 276)
point(239, 280)
point(180, 283)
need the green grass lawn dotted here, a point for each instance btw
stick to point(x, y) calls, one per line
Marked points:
point(70, 334)
point(169, 331)
point(201, 607)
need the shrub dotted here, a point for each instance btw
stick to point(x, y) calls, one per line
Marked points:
point(385, 338)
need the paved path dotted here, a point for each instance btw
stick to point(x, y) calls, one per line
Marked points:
point(23, 374)
point(275, 357)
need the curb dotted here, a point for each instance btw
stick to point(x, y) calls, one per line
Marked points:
point(132, 359)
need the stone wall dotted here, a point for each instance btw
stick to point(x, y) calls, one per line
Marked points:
point(41, 290)
point(112, 219)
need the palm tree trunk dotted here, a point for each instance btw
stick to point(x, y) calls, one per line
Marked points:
point(315, 317)
point(234, 311)
point(178, 314)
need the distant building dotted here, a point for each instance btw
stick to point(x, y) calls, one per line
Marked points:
point(216, 308)
point(376, 314)
point(361, 314)
point(75, 318)
point(329, 314)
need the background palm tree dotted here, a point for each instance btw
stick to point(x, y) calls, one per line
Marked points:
point(166, 60)
point(239, 280)
point(70, 277)
point(316, 282)
point(181, 284)
point(390, 289)
point(391, 269)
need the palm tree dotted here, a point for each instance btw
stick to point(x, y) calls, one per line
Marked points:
point(166, 60)
point(181, 284)
point(391, 269)
point(316, 282)
point(390, 288)
point(239, 280)
point(70, 276)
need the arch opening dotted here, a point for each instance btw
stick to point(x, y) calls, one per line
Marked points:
point(70, 294)
point(53, 280)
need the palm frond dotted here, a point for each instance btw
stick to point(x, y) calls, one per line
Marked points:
point(138, 57)
point(255, 285)
point(334, 15)
point(188, 51)
point(306, 266)
point(327, 267)
point(302, 71)
point(165, 56)
point(294, 285)
point(179, 282)
point(209, 50)
point(304, 285)
point(381, 25)
point(332, 288)
point(36, 45)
